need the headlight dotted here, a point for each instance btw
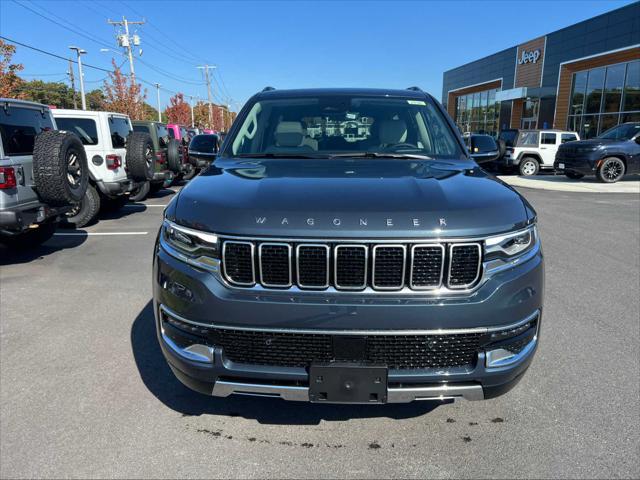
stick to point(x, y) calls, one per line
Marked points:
point(510, 245)
point(194, 246)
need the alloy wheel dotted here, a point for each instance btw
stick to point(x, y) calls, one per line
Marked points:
point(612, 170)
point(74, 169)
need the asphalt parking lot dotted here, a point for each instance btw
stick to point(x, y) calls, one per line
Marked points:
point(85, 392)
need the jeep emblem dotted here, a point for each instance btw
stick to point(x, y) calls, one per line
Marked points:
point(529, 57)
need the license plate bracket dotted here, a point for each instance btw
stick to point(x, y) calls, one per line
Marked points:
point(347, 383)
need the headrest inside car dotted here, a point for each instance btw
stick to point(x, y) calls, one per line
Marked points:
point(392, 132)
point(289, 134)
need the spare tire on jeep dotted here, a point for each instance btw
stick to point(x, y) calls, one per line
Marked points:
point(141, 158)
point(60, 168)
point(173, 156)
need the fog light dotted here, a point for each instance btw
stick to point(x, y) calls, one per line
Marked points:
point(185, 340)
point(507, 347)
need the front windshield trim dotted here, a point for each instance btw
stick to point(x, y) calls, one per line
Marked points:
point(454, 149)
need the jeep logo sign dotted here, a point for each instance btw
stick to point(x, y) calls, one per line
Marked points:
point(529, 57)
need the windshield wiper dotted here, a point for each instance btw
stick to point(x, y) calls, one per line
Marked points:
point(278, 155)
point(411, 156)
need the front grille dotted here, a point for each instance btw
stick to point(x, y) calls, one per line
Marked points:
point(238, 262)
point(394, 351)
point(426, 266)
point(351, 266)
point(346, 266)
point(464, 265)
point(275, 264)
point(388, 266)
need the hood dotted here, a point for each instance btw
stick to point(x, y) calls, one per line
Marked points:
point(348, 198)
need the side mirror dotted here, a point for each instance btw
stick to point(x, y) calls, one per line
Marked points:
point(483, 149)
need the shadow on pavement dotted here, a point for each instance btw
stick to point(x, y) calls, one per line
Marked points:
point(160, 381)
point(55, 244)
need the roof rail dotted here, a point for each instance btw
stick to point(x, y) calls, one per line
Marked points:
point(415, 89)
point(267, 89)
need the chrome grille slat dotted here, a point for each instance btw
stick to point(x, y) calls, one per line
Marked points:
point(427, 266)
point(388, 267)
point(239, 267)
point(350, 266)
point(439, 266)
point(312, 265)
point(274, 260)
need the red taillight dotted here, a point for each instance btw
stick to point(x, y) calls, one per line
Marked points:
point(8, 177)
point(160, 157)
point(113, 162)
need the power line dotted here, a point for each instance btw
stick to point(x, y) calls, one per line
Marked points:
point(86, 65)
point(183, 50)
point(73, 30)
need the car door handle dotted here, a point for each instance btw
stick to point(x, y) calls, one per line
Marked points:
point(543, 148)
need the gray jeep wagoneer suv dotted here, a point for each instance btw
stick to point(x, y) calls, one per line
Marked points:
point(345, 248)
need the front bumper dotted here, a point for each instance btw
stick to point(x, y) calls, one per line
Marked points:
point(202, 300)
point(585, 165)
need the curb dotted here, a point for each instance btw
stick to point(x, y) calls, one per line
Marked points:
point(562, 184)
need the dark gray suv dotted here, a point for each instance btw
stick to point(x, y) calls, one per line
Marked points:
point(345, 248)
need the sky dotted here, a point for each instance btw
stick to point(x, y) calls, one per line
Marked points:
point(285, 44)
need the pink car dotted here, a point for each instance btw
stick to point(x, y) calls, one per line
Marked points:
point(208, 131)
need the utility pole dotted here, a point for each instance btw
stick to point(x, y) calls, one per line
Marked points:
point(80, 52)
point(159, 112)
point(206, 69)
point(73, 85)
point(127, 41)
point(191, 103)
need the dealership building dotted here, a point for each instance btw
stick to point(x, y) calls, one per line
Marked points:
point(584, 78)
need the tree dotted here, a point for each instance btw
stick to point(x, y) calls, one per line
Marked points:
point(95, 100)
point(201, 115)
point(57, 94)
point(123, 95)
point(178, 110)
point(9, 80)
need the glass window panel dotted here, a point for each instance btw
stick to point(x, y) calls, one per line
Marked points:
point(607, 121)
point(577, 94)
point(613, 88)
point(631, 117)
point(594, 90)
point(589, 126)
point(548, 138)
point(574, 123)
point(632, 87)
point(568, 137)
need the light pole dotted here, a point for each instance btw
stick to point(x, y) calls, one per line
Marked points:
point(80, 52)
point(159, 112)
point(191, 103)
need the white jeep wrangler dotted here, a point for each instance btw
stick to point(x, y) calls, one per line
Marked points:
point(529, 151)
point(118, 159)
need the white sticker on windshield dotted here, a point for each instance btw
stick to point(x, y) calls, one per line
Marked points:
point(417, 102)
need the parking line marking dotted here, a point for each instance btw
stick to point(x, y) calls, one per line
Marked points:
point(133, 205)
point(72, 234)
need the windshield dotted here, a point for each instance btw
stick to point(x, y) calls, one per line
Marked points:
point(341, 125)
point(626, 131)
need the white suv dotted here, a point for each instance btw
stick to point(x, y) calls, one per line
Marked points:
point(116, 163)
point(529, 151)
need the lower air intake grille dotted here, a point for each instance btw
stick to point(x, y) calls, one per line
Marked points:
point(238, 262)
point(394, 351)
point(465, 265)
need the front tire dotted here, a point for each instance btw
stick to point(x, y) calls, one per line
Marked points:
point(86, 211)
point(611, 170)
point(529, 167)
